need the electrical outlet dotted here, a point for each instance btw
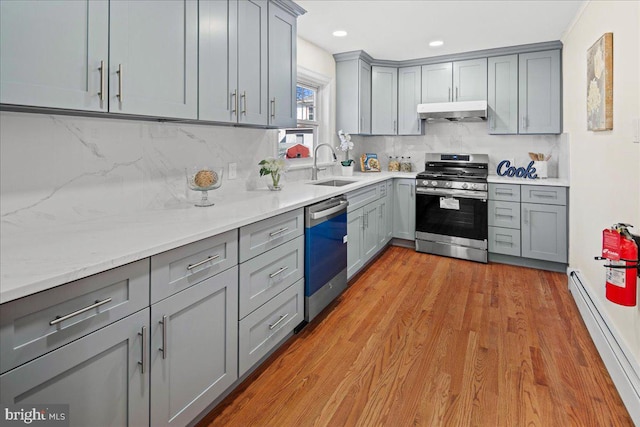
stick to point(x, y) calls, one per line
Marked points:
point(233, 170)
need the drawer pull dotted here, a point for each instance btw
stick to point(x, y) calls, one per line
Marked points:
point(504, 215)
point(505, 193)
point(97, 304)
point(504, 242)
point(163, 349)
point(275, 233)
point(198, 264)
point(143, 363)
point(279, 320)
point(544, 195)
point(272, 275)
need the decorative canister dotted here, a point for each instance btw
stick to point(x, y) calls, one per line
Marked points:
point(394, 164)
point(405, 166)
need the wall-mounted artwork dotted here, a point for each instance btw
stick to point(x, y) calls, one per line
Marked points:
point(600, 84)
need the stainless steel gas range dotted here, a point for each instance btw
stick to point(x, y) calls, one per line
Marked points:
point(451, 206)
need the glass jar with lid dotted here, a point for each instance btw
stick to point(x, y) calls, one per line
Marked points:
point(394, 164)
point(405, 165)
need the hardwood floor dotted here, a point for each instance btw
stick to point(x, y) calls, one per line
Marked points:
point(420, 340)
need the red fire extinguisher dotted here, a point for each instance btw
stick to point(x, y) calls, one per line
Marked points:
point(620, 248)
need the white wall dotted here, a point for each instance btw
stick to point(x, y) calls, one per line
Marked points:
point(605, 166)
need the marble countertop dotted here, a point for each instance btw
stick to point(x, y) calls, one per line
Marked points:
point(33, 259)
point(553, 182)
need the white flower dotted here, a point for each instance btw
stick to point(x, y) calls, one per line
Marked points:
point(345, 141)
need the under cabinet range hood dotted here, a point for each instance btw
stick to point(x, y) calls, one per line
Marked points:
point(453, 110)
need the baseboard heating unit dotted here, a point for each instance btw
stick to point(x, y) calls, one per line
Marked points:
point(618, 359)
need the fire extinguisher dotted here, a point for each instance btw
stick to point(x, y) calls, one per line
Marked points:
point(620, 248)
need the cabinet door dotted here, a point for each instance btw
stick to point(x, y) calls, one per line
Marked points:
point(355, 236)
point(371, 218)
point(409, 93)
point(217, 61)
point(404, 209)
point(51, 53)
point(389, 214)
point(470, 80)
point(252, 61)
point(194, 348)
point(502, 97)
point(153, 58)
point(282, 68)
point(539, 92)
point(384, 100)
point(365, 97)
point(384, 224)
point(103, 377)
point(436, 83)
point(544, 232)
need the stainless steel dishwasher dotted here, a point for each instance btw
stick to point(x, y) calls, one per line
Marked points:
point(325, 254)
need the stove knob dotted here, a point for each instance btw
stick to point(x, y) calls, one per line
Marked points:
point(447, 184)
point(434, 183)
point(472, 186)
point(465, 186)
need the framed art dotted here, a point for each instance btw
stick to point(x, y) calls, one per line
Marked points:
point(600, 84)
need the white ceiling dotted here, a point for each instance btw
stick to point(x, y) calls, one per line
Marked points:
point(402, 29)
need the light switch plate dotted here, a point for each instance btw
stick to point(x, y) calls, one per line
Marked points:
point(233, 170)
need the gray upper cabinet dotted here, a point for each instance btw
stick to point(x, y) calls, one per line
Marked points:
point(436, 82)
point(153, 58)
point(42, 66)
point(502, 97)
point(282, 67)
point(470, 80)
point(233, 61)
point(455, 81)
point(539, 92)
point(384, 100)
point(409, 95)
point(353, 95)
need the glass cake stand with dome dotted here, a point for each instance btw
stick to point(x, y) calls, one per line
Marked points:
point(204, 179)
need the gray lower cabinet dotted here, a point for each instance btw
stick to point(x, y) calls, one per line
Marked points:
point(355, 244)
point(404, 209)
point(42, 66)
point(539, 92)
point(370, 229)
point(409, 95)
point(384, 100)
point(528, 221)
point(103, 376)
point(194, 342)
point(502, 95)
point(385, 214)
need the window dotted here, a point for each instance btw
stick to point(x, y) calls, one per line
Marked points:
point(312, 99)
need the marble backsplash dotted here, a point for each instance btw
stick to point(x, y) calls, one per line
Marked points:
point(467, 137)
point(59, 169)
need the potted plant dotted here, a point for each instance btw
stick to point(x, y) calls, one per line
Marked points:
point(346, 145)
point(275, 168)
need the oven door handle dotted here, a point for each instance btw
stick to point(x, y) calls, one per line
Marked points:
point(462, 194)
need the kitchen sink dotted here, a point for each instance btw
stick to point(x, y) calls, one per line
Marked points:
point(333, 182)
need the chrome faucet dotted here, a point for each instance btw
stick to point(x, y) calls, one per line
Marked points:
point(315, 168)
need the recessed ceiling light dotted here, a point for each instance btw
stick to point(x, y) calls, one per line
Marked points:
point(339, 33)
point(436, 43)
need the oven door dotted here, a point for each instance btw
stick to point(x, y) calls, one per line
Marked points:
point(454, 213)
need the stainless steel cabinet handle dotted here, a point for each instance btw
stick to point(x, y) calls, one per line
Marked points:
point(102, 72)
point(97, 304)
point(163, 349)
point(544, 195)
point(279, 320)
point(204, 261)
point(506, 193)
point(448, 94)
point(273, 108)
point(234, 102)
point(275, 233)
point(504, 242)
point(524, 122)
point(394, 126)
point(143, 363)
point(120, 94)
point(456, 93)
point(526, 215)
point(244, 103)
point(274, 274)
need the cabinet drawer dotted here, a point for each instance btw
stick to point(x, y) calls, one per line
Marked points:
point(504, 214)
point(25, 324)
point(505, 192)
point(265, 276)
point(263, 235)
point(263, 329)
point(504, 241)
point(544, 194)
point(362, 196)
point(179, 268)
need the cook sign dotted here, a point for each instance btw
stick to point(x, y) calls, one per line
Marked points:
point(506, 169)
